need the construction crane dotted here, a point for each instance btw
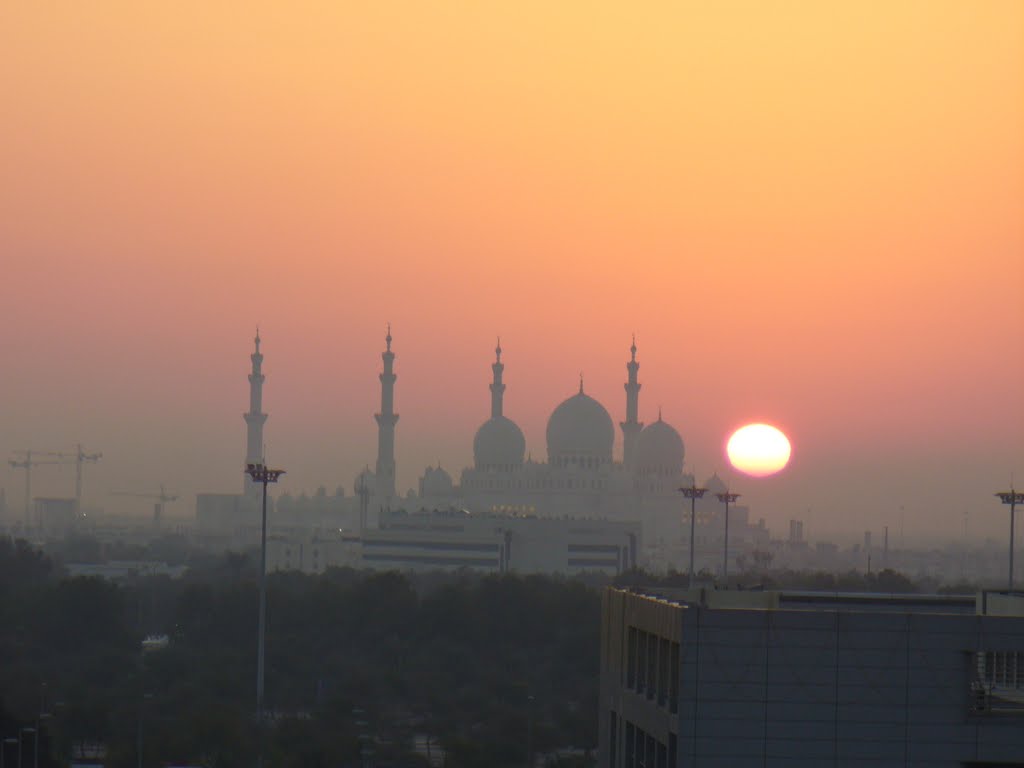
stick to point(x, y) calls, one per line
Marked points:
point(158, 508)
point(26, 461)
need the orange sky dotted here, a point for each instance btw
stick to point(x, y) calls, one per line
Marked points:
point(810, 213)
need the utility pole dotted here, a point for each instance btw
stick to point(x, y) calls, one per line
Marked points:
point(727, 498)
point(1013, 498)
point(693, 493)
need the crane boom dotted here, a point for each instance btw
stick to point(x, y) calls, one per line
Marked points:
point(25, 459)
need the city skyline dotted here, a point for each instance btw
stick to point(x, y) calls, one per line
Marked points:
point(810, 215)
point(766, 495)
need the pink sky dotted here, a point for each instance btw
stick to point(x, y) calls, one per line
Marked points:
point(811, 215)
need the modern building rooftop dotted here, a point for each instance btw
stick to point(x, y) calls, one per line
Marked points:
point(986, 602)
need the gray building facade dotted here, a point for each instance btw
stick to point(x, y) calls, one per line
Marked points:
point(788, 679)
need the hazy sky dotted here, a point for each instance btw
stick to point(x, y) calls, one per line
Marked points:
point(810, 213)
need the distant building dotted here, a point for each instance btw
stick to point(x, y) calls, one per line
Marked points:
point(224, 512)
point(742, 679)
point(55, 518)
point(580, 481)
point(121, 570)
point(312, 550)
point(452, 540)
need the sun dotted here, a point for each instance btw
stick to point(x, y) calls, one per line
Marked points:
point(758, 450)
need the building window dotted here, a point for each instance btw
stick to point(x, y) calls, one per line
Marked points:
point(997, 683)
point(652, 665)
point(631, 658)
point(663, 671)
point(673, 681)
point(641, 662)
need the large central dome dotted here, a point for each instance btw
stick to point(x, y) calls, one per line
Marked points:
point(579, 430)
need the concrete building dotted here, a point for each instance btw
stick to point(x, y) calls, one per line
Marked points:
point(501, 543)
point(312, 551)
point(450, 540)
point(704, 678)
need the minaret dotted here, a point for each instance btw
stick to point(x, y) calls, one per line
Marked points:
point(255, 418)
point(497, 388)
point(631, 427)
point(386, 420)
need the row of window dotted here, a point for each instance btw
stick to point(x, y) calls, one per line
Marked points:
point(586, 462)
point(997, 683)
point(639, 748)
point(491, 484)
point(652, 667)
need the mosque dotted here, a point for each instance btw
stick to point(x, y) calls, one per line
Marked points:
point(580, 481)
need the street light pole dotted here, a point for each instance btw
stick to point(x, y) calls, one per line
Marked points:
point(692, 493)
point(727, 498)
point(260, 474)
point(1013, 498)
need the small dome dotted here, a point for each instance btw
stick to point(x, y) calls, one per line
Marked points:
point(435, 482)
point(499, 444)
point(715, 485)
point(580, 428)
point(659, 448)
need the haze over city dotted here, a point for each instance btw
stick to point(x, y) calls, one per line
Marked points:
point(809, 214)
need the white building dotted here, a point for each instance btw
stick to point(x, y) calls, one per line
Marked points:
point(446, 541)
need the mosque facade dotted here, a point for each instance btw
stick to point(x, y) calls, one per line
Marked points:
point(581, 477)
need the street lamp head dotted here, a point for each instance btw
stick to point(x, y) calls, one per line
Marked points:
point(728, 498)
point(693, 492)
point(260, 474)
point(1011, 497)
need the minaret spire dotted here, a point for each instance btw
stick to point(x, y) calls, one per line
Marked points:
point(255, 418)
point(497, 387)
point(386, 420)
point(631, 427)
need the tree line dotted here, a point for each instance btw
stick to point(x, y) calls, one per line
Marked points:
point(355, 662)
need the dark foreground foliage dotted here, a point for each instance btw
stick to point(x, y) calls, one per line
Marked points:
point(353, 659)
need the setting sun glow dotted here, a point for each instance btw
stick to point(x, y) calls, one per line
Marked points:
point(758, 450)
